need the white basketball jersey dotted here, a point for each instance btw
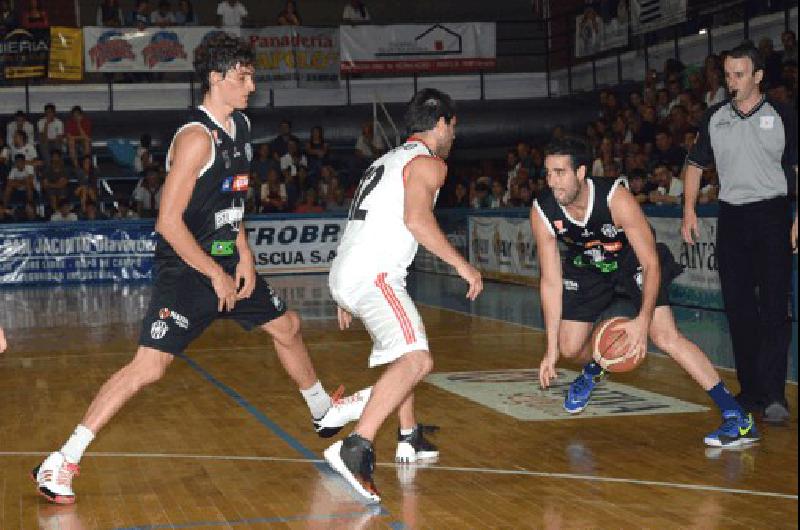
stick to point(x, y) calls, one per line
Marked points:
point(376, 238)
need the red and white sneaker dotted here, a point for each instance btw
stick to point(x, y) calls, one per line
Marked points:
point(343, 410)
point(54, 478)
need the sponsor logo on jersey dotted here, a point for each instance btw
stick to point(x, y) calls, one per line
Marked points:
point(223, 248)
point(235, 183)
point(586, 233)
point(559, 224)
point(609, 230)
point(158, 329)
point(230, 216)
point(767, 122)
point(616, 246)
point(570, 285)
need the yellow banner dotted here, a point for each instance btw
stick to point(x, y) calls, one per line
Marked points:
point(66, 53)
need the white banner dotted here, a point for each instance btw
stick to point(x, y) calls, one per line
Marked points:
point(650, 15)
point(294, 245)
point(463, 47)
point(503, 246)
point(594, 35)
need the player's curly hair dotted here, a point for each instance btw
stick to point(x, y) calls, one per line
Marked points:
point(425, 109)
point(219, 52)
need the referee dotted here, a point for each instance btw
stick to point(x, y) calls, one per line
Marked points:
point(753, 142)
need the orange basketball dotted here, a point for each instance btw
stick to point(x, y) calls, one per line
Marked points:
point(608, 345)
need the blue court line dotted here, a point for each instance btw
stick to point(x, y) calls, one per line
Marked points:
point(258, 520)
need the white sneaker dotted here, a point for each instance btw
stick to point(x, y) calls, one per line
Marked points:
point(414, 446)
point(54, 478)
point(343, 410)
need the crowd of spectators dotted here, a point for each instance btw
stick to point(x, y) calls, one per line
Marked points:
point(643, 135)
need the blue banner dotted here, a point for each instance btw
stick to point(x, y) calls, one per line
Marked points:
point(76, 252)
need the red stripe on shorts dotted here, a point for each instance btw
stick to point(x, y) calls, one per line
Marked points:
point(397, 307)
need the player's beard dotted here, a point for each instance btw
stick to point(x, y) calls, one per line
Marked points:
point(569, 196)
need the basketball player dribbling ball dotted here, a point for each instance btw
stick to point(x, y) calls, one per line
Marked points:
point(611, 245)
point(391, 214)
point(204, 267)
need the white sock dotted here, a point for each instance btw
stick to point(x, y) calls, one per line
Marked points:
point(76, 445)
point(317, 399)
point(406, 432)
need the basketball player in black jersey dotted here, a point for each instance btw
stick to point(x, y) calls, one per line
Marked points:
point(204, 266)
point(610, 245)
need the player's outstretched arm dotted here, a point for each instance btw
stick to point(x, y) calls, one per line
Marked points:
point(423, 177)
point(190, 153)
point(550, 290)
point(628, 215)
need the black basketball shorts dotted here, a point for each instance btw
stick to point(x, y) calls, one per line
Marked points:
point(184, 304)
point(587, 292)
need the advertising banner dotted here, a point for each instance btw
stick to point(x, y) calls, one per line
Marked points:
point(24, 53)
point(66, 54)
point(594, 35)
point(294, 245)
point(66, 253)
point(650, 15)
point(461, 47)
point(503, 248)
point(296, 57)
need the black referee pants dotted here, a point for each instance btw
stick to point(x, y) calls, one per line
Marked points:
point(755, 269)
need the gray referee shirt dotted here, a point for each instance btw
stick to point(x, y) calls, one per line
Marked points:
point(755, 153)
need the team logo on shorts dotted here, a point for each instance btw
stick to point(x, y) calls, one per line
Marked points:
point(276, 300)
point(158, 329)
point(638, 278)
point(163, 314)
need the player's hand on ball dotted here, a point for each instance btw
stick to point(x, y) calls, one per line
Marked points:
point(225, 289)
point(547, 370)
point(635, 337)
point(245, 277)
point(472, 276)
point(344, 317)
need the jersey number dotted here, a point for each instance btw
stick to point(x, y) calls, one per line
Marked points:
point(368, 182)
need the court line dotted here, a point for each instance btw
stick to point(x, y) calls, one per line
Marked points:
point(257, 520)
point(436, 467)
point(541, 330)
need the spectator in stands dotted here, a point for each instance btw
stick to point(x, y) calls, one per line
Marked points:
point(621, 131)
point(273, 193)
point(79, 134)
point(328, 182)
point(537, 171)
point(481, 195)
point(34, 16)
point(261, 164)
point(5, 159)
point(19, 123)
point(231, 13)
point(123, 212)
point(293, 159)
point(369, 144)
point(162, 16)
point(355, 12)
point(772, 61)
point(678, 123)
point(339, 203)
point(109, 14)
point(143, 158)
point(64, 212)
point(140, 17)
point(789, 42)
point(790, 78)
point(460, 198)
point(55, 181)
point(23, 146)
point(512, 166)
point(781, 93)
point(666, 152)
point(87, 182)
point(316, 149)
point(662, 103)
point(91, 213)
point(670, 189)
point(709, 187)
point(8, 17)
point(280, 145)
point(51, 132)
point(147, 195)
point(604, 157)
point(21, 177)
point(611, 170)
point(715, 91)
point(496, 199)
point(289, 15)
point(650, 81)
point(646, 135)
point(184, 15)
point(637, 183)
point(696, 112)
point(310, 204)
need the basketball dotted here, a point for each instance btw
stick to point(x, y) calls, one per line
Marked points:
point(608, 347)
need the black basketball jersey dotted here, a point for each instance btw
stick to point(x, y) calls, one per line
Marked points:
point(596, 242)
point(216, 207)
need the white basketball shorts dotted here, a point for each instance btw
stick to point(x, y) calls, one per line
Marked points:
point(388, 313)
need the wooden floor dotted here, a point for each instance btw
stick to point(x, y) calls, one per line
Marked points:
point(225, 441)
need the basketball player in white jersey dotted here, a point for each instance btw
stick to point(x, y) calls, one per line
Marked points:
point(391, 214)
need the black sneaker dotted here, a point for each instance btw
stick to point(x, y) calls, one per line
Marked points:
point(354, 459)
point(414, 446)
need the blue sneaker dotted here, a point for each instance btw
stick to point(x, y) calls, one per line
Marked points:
point(580, 391)
point(736, 430)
